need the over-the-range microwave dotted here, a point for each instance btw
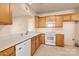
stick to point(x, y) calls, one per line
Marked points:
point(50, 24)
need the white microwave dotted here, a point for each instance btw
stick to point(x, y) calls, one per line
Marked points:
point(50, 24)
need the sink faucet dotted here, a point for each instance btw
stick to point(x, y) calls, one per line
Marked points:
point(26, 32)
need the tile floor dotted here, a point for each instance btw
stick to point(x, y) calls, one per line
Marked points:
point(45, 50)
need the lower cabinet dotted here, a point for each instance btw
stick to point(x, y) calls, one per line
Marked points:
point(60, 40)
point(8, 52)
point(33, 45)
point(42, 38)
point(36, 42)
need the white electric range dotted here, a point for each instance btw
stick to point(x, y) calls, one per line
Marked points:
point(50, 38)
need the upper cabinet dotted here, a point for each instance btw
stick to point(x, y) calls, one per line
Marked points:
point(55, 21)
point(5, 13)
point(50, 18)
point(36, 22)
point(59, 22)
point(45, 21)
point(75, 17)
point(71, 17)
point(42, 22)
point(66, 17)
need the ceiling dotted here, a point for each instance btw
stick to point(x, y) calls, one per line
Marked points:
point(41, 8)
point(19, 10)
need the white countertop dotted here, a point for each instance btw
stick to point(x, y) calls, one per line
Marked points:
point(8, 41)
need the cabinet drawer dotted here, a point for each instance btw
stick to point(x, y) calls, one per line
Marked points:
point(8, 52)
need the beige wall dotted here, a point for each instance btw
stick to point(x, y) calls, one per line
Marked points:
point(31, 25)
point(19, 25)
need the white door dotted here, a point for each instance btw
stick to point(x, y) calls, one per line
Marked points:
point(24, 48)
point(69, 31)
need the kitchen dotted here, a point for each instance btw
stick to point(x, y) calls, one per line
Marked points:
point(24, 32)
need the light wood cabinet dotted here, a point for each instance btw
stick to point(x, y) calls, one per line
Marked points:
point(37, 41)
point(60, 40)
point(59, 22)
point(36, 22)
point(50, 18)
point(42, 38)
point(66, 17)
point(5, 13)
point(75, 17)
point(8, 52)
point(42, 22)
point(33, 45)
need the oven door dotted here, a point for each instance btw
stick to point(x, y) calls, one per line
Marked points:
point(50, 40)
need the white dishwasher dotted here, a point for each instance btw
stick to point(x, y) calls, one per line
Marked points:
point(24, 48)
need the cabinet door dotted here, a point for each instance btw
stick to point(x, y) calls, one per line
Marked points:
point(59, 22)
point(5, 13)
point(60, 40)
point(37, 41)
point(33, 45)
point(50, 18)
point(75, 17)
point(36, 22)
point(42, 22)
point(67, 17)
point(42, 38)
point(8, 52)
